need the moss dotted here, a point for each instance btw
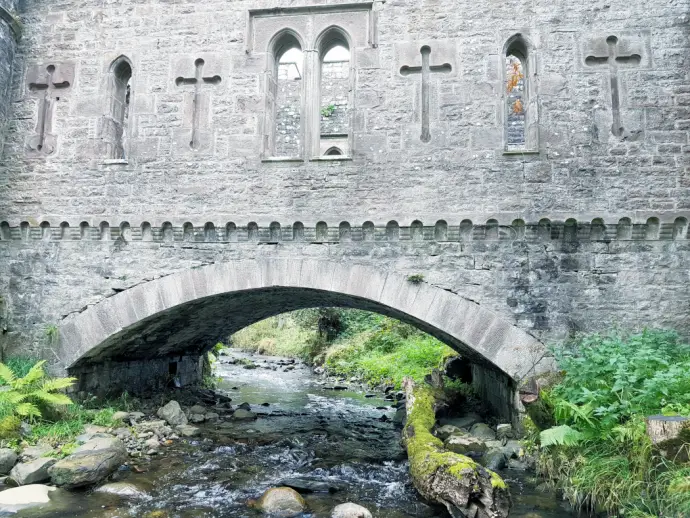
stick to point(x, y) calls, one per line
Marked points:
point(426, 452)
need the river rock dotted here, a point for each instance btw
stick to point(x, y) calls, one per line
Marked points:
point(32, 472)
point(90, 463)
point(197, 409)
point(186, 430)
point(8, 458)
point(119, 417)
point(17, 498)
point(211, 416)
point(243, 415)
point(307, 486)
point(465, 444)
point(196, 418)
point(494, 460)
point(172, 414)
point(504, 431)
point(36, 452)
point(136, 416)
point(122, 489)
point(483, 431)
point(447, 430)
point(284, 502)
point(465, 421)
point(350, 510)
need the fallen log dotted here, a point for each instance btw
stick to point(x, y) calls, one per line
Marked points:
point(465, 488)
point(670, 435)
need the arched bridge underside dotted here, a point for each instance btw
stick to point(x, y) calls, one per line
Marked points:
point(185, 313)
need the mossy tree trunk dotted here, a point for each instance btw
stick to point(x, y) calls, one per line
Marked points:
point(455, 481)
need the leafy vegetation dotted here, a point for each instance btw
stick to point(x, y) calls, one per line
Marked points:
point(598, 452)
point(30, 396)
point(348, 342)
point(327, 111)
point(417, 278)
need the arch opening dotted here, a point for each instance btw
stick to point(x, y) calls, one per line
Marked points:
point(185, 314)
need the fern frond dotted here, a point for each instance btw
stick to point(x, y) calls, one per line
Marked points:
point(55, 384)
point(12, 397)
point(562, 435)
point(6, 374)
point(51, 399)
point(27, 410)
point(36, 373)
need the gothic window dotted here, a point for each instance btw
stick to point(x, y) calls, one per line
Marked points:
point(334, 94)
point(519, 97)
point(116, 119)
point(284, 98)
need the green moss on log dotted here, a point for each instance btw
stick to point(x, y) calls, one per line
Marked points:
point(426, 452)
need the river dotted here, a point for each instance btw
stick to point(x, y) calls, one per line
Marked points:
point(341, 441)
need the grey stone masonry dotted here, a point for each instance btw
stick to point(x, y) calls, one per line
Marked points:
point(583, 227)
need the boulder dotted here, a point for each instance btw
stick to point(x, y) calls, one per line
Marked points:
point(243, 415)
point(136, 416)
point(118, 417)
point(186, 430)
point(350, 510)
point(196, 418)
point(32, 472)
point(494, 460)
point(465, 444)
point(18, 498)
point(504, 431)
point(122, 489)
point(211, 416)
point(36, 452)
point(447, 430)
point(283, 502)
point(172, 414)
point(483, 431)
point(197, 409)
point(90, 463)
point(465, 421)
point(8, 458)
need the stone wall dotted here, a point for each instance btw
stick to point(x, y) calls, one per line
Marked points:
point(10, 32)
point(582, 170)
point(335, 91)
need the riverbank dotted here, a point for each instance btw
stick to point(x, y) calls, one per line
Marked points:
point(348, 343)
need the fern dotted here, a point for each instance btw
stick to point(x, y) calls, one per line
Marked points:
point(562, 435)
point(6, 374)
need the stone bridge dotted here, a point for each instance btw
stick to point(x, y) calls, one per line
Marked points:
point(122, 305)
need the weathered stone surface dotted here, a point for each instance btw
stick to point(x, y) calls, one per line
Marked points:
point(32, 472)
point(464, 444)
point(89, 464)
point(243, 415)
point(172, 414)
point(8, 458)
point(445, 431)
point(124, 489)
point(563, 238)
point(350, 510)
point(483, 431)
point(283, 502)
point(18, 498)
point(186, 430)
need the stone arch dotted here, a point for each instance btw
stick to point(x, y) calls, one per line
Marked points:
point(45, 231)
point(680, 228)
point(321, 232)
point(125, 231)
point(146, 231)
point(441, 230)
point(624, 229)
point(298, 231)
point(114, 122)
point(652, 229)
point(368, 231)
point(520, 108)
point(5, 232)
point(223, 298)
point(275, 232)
point(597, 230)
point(392, 231)
point(210, 235)
point(345, 231)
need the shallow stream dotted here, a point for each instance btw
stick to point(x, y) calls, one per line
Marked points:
point(305, 431)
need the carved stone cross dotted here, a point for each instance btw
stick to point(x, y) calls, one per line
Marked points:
point(613, 59)
point(198, 81)
point(47, 82)
point(425, 70)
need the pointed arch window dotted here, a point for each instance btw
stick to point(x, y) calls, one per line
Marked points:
point(520, 111)
point(284, 130)
point(334, 95)
point(115, 123)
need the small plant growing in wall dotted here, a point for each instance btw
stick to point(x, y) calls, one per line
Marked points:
point(52, 333)
point(327, 111)
point(416, 278)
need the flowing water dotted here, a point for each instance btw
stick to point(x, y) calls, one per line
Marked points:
point(305, 431)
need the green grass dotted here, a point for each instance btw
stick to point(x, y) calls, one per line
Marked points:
point(372, 347)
